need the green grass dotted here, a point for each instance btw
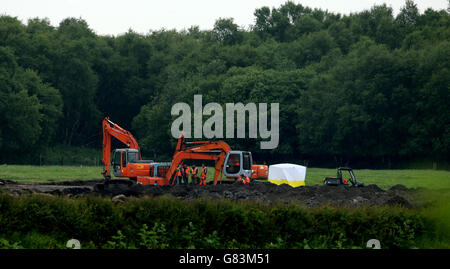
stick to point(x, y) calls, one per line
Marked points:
point(36, 174)
point(411, 178)
point(431, 179)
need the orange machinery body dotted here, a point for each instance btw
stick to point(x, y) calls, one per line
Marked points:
point(260, 171)
point(111, 129)
point(201, 150)
point(130, 169)
point(144, 172)
point(157, 173)
point(128, 162)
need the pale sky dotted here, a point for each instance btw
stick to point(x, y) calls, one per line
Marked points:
point(113, 17)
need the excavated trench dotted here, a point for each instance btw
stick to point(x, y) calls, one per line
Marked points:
point(310, 196)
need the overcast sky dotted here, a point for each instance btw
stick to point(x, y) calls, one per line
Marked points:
point(117, 16)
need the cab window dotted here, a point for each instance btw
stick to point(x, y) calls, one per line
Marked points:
point(233, 164)
point(124, 160)
point(246, 161)
point(132, 157)
point(116, 160)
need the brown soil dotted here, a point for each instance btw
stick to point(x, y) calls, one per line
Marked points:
point(310, 196)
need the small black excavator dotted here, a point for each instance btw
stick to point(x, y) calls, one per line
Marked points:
point(340, 180)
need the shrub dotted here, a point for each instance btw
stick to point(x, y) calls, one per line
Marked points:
point(48, 222)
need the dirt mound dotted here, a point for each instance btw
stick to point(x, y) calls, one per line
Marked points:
point(398, 187)
point(264, 192)
point(7, 181)
point(91, 182)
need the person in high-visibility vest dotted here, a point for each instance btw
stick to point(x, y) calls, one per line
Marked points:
point(194, 174)
point(179, 174)
point(247, 180)
point(244, 179)
point(239, 179)
point(186, 174)
point(203, 175)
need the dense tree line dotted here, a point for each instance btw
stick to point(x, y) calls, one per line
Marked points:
point(369, 85)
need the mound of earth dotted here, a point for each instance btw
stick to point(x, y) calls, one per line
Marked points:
point(6, 181)
point(265, 192)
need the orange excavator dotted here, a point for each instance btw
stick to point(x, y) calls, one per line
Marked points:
point(128, 162)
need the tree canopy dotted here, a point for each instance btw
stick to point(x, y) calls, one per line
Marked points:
point(369, 85)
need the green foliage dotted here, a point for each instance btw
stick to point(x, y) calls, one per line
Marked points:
point(30, 108)
point(155, 238)
point(35, 240)
point(69, 155)
point(367, 86)
point(48, 222)
point(118, 242)
point(5, 244)
point(226, 32)
point(439, 215)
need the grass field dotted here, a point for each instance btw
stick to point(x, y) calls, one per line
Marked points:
point(39, 174)
point(432, 179)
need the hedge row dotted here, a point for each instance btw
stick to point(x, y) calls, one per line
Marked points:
point(172, 223)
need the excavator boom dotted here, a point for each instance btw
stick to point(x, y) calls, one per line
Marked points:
point(112, 129)
point(201, 150)
point(127, 162)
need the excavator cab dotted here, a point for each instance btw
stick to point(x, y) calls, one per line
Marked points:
point(238, 163)
point(127, 162)
point(121, 157)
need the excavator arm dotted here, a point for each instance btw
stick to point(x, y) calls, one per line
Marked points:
point(112, 129)
point(200, 150)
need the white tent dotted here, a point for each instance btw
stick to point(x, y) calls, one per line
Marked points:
point(287, 173)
